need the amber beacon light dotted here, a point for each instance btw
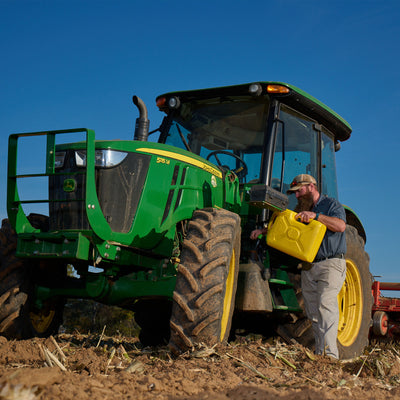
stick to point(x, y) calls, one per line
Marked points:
point(277, 89)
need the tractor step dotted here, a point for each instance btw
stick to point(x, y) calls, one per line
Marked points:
point(45, 245)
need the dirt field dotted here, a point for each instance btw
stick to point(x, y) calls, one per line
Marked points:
point(96, 367)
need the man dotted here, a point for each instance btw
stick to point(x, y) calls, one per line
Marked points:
point(323, 281)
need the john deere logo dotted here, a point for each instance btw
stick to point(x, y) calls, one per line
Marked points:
point(69, 185)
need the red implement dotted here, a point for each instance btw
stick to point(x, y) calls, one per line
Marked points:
point(385, 310)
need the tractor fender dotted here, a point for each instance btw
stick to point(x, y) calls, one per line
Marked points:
point(353, 220)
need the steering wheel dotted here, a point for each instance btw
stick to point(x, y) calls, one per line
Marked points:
point(240, 171)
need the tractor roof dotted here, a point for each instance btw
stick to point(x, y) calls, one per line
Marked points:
point(292, 96)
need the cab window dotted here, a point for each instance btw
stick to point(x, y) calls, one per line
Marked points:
point(233, 125)
point(295, 150)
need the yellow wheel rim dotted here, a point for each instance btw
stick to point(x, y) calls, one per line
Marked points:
point(230, 280)
point(41, 320)
point(350, 301)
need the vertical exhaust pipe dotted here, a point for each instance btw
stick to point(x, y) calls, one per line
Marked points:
point(142, 123)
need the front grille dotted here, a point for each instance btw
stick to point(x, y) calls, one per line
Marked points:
point(118, 189)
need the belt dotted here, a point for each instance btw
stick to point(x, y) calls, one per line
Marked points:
point(340, 255)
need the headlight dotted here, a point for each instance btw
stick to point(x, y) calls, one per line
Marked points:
point(174, 102)
point(59, 159)
point(103, 158)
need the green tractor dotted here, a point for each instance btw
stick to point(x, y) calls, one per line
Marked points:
point(163, 228)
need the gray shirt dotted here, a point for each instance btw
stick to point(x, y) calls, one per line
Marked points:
point(333, 243)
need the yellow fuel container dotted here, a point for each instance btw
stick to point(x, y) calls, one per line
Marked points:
point(293, 237)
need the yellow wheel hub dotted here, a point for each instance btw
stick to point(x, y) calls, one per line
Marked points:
point(230, 280)
point(350, 301)
point(41, 320)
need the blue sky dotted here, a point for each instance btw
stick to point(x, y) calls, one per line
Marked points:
point(69, 64)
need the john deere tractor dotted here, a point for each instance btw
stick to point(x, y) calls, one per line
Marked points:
point(163, 227)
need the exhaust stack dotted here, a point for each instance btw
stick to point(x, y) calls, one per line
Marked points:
point(142, 123)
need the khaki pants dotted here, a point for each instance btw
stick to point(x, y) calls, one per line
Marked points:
point(320, 286)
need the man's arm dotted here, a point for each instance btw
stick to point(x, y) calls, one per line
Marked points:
point(334, 224)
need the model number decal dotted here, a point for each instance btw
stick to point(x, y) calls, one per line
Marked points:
point(163, 160)
point(183, 158)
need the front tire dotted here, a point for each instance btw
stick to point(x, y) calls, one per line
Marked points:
point(204, 296)
point(19, 317)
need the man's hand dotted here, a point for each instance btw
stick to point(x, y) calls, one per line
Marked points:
point(257, 232)
point(305, 216)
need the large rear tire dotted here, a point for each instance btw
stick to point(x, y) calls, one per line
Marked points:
point(204, 296)
point(19, 317)
point(355, 299)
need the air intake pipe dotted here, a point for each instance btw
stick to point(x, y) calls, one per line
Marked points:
point(142, 123)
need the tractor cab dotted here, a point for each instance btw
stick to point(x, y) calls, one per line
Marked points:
point(265, 132)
